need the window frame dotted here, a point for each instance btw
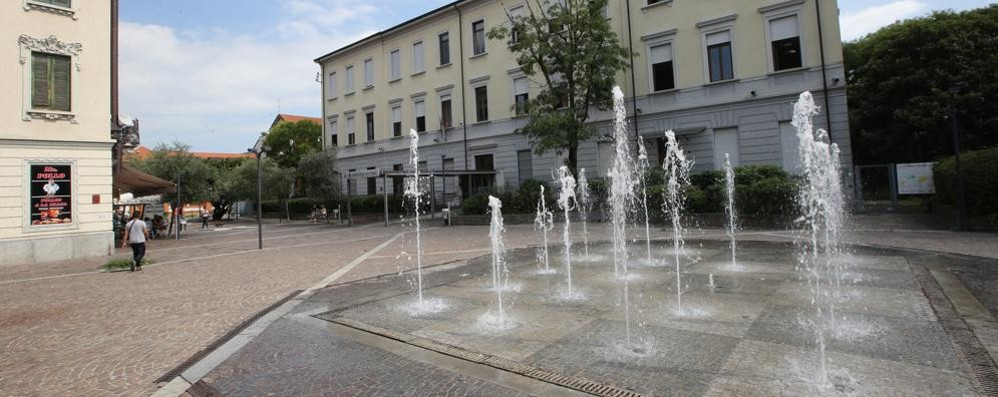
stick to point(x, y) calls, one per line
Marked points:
point(369, 73)
point(479, 111)
point(370, 125)
point(394, 65)
point(396, 125)
point(771, 13)
point(331, 86)
point(517, 110)
point(351, 129)
point(51, 45)
point(474, 47)
point(350, 80)
point(416, 103)
point(41, 5)
point(334, 132)
point(728, 27)
point(418, 57)
point(651, 66)
point(443, 37)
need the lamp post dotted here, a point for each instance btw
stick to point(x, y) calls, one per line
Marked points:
point(960, 197)
point(180, 206)
point(259, 152)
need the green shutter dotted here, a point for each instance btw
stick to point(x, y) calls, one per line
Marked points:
point(60, 83)
point(39, 80)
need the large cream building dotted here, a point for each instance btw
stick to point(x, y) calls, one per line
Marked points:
point(723, 74)
point(55, 143)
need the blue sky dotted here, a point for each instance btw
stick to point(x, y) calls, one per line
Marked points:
point(213, 73)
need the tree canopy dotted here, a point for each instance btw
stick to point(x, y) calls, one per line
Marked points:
point(290, 141)
point(568, 50)
point(169, 161)
point(899, 86)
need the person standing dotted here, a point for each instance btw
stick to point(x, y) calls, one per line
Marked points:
point(136, 234)
point(204, 218)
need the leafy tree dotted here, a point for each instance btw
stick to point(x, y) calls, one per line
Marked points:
point(277, 182)
point(290, 141)
point(570, 51)
point(899, 80)
point(197, 178)
point(318, 175)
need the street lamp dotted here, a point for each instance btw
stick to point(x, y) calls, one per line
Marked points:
point(961, 199)
point(180, 206)
point(259, 151)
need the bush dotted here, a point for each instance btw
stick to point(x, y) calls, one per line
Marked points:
point(759, 190)
point(522, 201)
point(118, 264)
point(979, 170)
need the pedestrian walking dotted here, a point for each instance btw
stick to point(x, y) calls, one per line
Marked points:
point(136, 233)
point(204, 218)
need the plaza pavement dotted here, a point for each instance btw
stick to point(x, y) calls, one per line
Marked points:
point(66, 329)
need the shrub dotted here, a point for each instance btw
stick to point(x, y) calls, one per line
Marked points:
point(979, 170)
point(759, 190)
point(121, 264)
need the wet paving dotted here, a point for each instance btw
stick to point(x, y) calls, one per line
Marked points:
point(750, 334)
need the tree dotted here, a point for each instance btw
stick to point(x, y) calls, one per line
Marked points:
point(168, 162)
point(277, 182)
point(570, 51)
point(318, 175)
point(290, 141)
point(899, 80)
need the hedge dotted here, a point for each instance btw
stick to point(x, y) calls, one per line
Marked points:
point(359, 204)
point(979, 170)
point(521, 201)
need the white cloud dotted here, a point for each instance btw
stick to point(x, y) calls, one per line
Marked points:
point(868, 20)
point(217, 90)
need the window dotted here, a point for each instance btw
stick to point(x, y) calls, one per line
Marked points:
point(350, 86)
point(396, 67)
point(480, 183)
point(396, 120)
point(482, 103)
point(444, 48)
point(520, 95)
point(785, 33)
point(60, 3)
point(369, 73)
point(719, 56)
point(370, 126)
point(50, 81)
point(419, 109)
point(555, 24)
point(478, 37)
point(726, 142)
point(398, 183)
point(515, 13)
point(372, 184)
point(417, 58)
point(663, 74)
point(332, 85)
point(445, 112)
point(351, 131)
point(333, 135)
point(525, 165)
point(653, 2)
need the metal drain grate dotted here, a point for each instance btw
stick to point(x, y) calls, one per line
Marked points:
point(201, 354)
point(203, 389)
point(982, 368)
point(571, 382)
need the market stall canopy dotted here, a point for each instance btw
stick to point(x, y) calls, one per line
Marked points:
point(131, 180)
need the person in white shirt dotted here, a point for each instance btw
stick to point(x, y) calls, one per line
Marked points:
point(136, 233)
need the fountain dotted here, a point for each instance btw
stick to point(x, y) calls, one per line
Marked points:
point(677, 176)
point(584, 205)
point(544, 221)
point(500, 272)
point(566, 200)
point(822, 206)
point(729, 183)
point(412, 191)
point(642, 170)
point(621, 199)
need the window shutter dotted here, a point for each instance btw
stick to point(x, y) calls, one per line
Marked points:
point(718, 38)
point(39, 80)
point(784, 28)
point(661, 54)
point(420, 109)
point(520, 86)
point(60, 83)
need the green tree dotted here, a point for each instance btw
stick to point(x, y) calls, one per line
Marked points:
point(170, 161)
point(290, 141)
point(318, 175)
point(899, 80)
point(277, 182)
point(573, 55)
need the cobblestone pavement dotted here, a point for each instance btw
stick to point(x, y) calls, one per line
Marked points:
point(67, 330)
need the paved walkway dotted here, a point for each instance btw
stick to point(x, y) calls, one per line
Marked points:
point(68, 330)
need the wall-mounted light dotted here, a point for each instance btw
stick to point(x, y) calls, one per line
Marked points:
point(754, 94)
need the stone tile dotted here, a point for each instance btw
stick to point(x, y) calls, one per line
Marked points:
point(769, 369)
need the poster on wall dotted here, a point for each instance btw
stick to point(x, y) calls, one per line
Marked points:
point(51, 194)
point(915, 178)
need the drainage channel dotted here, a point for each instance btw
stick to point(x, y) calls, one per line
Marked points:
point(570, 382)
point(983, 371)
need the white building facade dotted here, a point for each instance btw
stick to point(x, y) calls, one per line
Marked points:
point(55, 144)
point(722, 74)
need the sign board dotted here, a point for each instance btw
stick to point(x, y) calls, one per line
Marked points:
point(915, 178)
point(51, 194)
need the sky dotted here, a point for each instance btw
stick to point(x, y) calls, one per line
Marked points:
point(215, 73)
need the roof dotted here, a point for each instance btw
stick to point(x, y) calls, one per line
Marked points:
point(143, 152)
point(293, 118)
point(389, 30)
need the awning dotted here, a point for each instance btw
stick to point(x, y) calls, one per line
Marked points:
point(138, 183)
